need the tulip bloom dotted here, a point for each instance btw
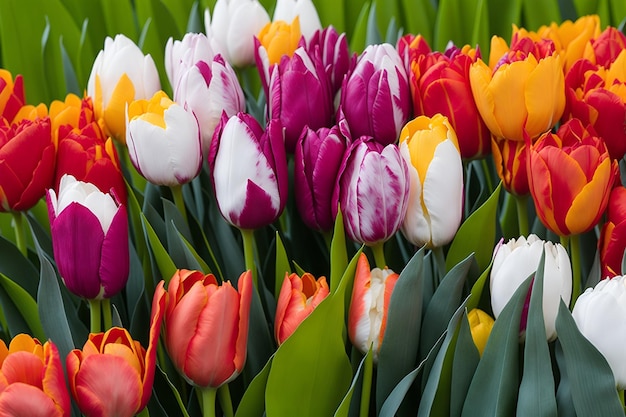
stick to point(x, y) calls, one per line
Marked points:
point(516, 260)
point(232, 30)
point(113, 374)
point(369, 306)
point(249, 171)
point(206, 326)
point(480, 324)
point(31, 379)
point(297, 299)
point(612, 241)
point(523, 93)
point(299, 95)
point(372, 190)
point(375, 99)
point(335, 55)
point(288, 10)
point(27, 159)
point(89, 238)
point(509, 157)
point(120, 74)
point(606, 47)
point(179, 55)
point(277, 39)
point(570, 175)
point(317, 160)
point(164, 142)
point(11, 95)
point(435, 201)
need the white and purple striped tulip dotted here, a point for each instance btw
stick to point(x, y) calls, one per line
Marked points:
point(375, 98)
point(317, 160)
point(249, 171)
point(89, 238)
point(299, 95)
point(335, 54)
point(373, 191)
point(180, 55)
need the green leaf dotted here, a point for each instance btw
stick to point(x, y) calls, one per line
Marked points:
point(179, 11)
point(386, 13)
point(466, 358)
point(338, 253)
point(252, 403)
point(419, 16)
point(25, 304)
point(282, 265)
point(592, 382)
point(540, 12)
point(119, 17)
point(162, 258)
point(332, 12)
point(480, 223)
point(477, 289)
point(373, 36)
point(502, 14)
point(344, 408)
point(358, 39)
point(14, 264)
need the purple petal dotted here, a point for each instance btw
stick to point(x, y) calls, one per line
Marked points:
point(115, 262)
point(257, 211)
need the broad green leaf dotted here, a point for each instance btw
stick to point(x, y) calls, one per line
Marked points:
point(14, 264)
point(332, 12)
point(195, 22)
point(449, 24)
point(592, 382)
point(119, 17)
point(25, 304)
point(568, 10)
point(282, 265)
point(344, 408)
point(338, 253)
point(502, 15)
point(179, 10)
point(181, 252)
point(359, 35)
point(387, 11)
point(481, 223)
point(540, 12)
point(174, 391)
point(618, 12)
point(464, 365)
point(564, 400)
point(162, 258)
point(69, 74)
point(252, 403)
point(419, 16)
point(261, 343)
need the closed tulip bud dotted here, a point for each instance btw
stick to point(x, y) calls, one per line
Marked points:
point(570, 175)
point(287, 10)
point(523, 93)
point(249, 171)
point(375, 98)
point(606, 47)
point(11, 95)
point(509, 157)
point(233, 27)
point(27, 159)
point(516, 260)
point(179, 55)
point(31, 379)
point(299, 95)
point(164, 142)
point(297, 299)
point(90, 239)
point(120, 74)
point(206, 326)
point(335, 54)
point(317, 160)
point(369, 306)
point(612, 241)
point(435, 200)
point(480, 324)
point(208, 89)
point(372, 190)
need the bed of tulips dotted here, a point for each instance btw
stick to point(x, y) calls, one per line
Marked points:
point(243, 208)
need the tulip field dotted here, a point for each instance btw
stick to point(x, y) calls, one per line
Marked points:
point(249, 208)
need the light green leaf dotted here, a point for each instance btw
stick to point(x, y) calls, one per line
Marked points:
point(540, 12)
point(119, 17)
point(282, 265)
point(252, 403)
point(180, 11)
point(332, 12)
point(359, 35)
point(338, 253)
point(344, 408)
point(419, 16)
point(25, 304)
point(164, 262)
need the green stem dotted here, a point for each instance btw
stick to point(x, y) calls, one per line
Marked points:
point(487, 173)
point(379, 255)
point(95, 308)
point(20, 232)
point(179, 201)
point(620, 393)
point(106, 314)
point(440, 262)
point(574, 243)
point(248, 252)
point(522, 214)
point(366, 389)
point(223, 395)
point(208, 401)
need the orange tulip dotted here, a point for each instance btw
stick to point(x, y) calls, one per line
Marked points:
point(570, 176)
point(298, 298)
point(31, 379)
point(206, 326)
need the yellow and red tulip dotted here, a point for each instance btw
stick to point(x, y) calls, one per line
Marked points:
point(612, 241)
point(606, 47)
point(509, 158)
point(11, 95)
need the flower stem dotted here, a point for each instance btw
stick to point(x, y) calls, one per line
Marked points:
point(379, 255)
point(179, 201)
point(522, 214)
point(440, 262)
point(487, 173)
point(366, 389)
point(208, 401)
point(20, 232)
point(248, 252)
point(574, 247)
point(223, 394)
point(95, 313)
point(106, 314)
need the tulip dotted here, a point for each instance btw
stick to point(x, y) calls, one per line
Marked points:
point(180, 55)
point(120, 74)
point(372, 190)
point(297, 299)
point(288, 10)
point(11, 95)
point(369, 306)
point(606, 47)
point(299, 95)
point(516, 260)
point(89, 238)
point(31, 379)
point(441, 84)
point(410, 48)
point(277, 39)
point(317, 160)
point(207, 89)
point(599, 314)
point(480, 324)
point(612, 241)
point(509, 157)
point(113, 374)
point(206, 326)
point(232, 30)
point(570, 175)
point(249, 171)
point(335, 55)
point(523, 93)
point(164, 141)
point(27, 159)
point(435, 200)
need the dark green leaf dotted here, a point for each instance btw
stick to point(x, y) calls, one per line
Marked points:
point(419, 16)
point(282, 265)
point(466, 358)
point(540, 12)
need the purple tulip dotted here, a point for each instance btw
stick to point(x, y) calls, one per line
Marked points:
point(375, 99)
point(89, 239)
point(335, 54)
point(249, 171)
point(299, 95)
point(372, 191)
point(318, 157)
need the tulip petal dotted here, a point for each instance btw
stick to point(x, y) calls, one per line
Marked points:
point(509, 109)
point(480, 79)
point(544, 95)
point(115, 255)
point(23, 367)
point(358, 317)
point(53, 382)
point(23, 400)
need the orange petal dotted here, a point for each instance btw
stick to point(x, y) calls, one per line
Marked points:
point(480, 79)
point(544, 95)
point(53, 382)
point(508, 89)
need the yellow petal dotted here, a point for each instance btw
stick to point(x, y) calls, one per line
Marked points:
point(480, 79)
point(545, 96)
point(508, 88)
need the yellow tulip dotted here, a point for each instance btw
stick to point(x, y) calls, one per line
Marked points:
point(481, 324)
point(280, 38)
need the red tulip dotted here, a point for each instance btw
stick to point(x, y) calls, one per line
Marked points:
point(11, 95)
point(612, 242)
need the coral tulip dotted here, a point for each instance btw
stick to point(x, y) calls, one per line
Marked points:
point(612, 241)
